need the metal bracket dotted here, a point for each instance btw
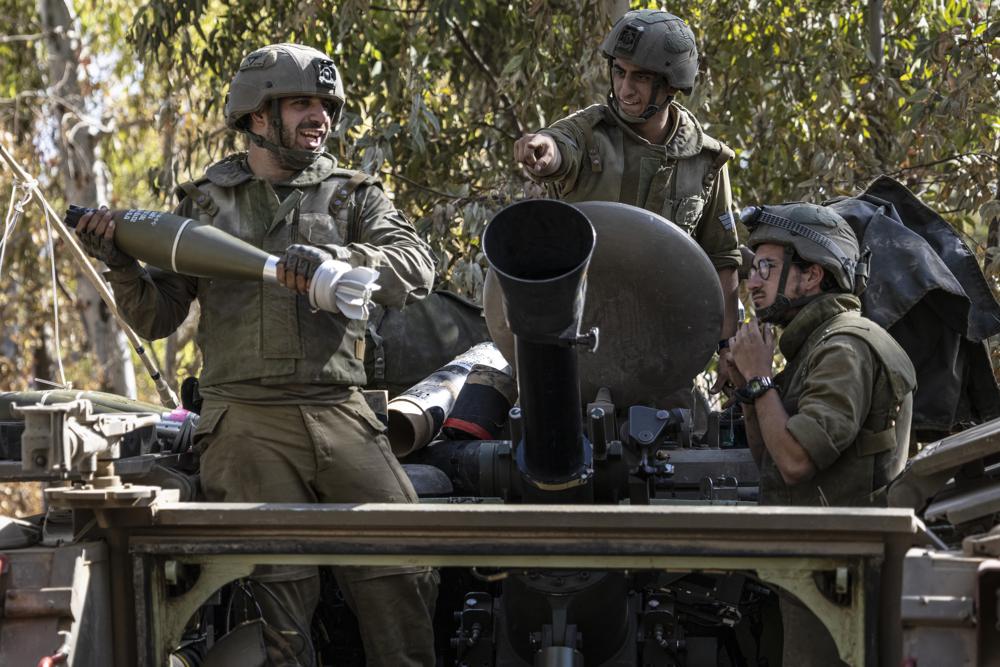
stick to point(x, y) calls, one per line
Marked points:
point(846, 624)
point(177, 611)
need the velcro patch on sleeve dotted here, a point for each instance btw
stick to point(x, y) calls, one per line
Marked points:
point(727, 220)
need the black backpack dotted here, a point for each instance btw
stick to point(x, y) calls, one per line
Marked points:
point(927, 290)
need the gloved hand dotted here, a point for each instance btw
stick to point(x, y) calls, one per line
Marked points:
point(298, 265)
point(96, 233)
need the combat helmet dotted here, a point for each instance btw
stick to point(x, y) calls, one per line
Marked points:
point(276, 71)
point(817, 235)
point(656, 41)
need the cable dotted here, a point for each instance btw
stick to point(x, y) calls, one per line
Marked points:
point(8, 225)
point(288, 615)
point(55, 303)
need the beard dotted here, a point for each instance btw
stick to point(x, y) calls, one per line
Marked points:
point(288, 136)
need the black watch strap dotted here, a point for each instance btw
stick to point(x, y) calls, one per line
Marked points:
point(755, 387)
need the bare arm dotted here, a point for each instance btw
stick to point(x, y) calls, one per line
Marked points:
point(788, 454)
point(729, 281)
point(754, 438)
point(753, 354)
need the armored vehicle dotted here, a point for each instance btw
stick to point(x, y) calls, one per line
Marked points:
point(598, 515)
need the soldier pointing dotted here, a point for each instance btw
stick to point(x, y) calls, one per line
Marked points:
point(645, 149)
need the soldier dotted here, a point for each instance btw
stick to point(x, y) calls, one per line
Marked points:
point(832, 428)
point(645, 149)
point(282, 419)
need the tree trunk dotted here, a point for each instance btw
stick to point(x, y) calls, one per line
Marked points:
point(84, 183)
point(176, 341)
point(616, 8)
point(990, 213)
point(875, 31)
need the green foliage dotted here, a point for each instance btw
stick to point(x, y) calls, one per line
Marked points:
point(438, 90)
point(791, 88)
point(20, 78)
point(36, 117)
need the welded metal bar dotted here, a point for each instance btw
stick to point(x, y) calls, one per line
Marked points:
point(570, 520)
point(783, 544)
point(434, 531)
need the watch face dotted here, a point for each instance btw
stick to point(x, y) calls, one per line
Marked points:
point(756, 385)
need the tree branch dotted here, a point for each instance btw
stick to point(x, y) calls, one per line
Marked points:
point(7, 39)
point(426, 188)
point(941, 161)
point(484, 66)
point(875, 32)
point(397, 10)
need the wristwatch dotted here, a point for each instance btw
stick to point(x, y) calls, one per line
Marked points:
point(755, 387)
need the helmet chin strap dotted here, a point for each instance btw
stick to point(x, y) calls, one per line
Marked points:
point(777, 312)
point(293, 159)
point(651, 109)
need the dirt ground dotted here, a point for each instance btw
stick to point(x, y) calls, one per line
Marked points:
point(20, 499)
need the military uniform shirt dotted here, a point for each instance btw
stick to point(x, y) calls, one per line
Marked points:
point(667, 179)
point(283, 330)
point(827, 389)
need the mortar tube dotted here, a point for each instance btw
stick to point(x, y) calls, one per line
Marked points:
point(540, 250)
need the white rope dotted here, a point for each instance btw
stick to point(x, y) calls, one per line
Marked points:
point(14, 212)
point(55, 302)
point(167, 396)
point(8, 225)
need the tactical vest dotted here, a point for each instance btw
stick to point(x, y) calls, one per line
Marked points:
point(682, 182)
point(267, 333)
point(879, 452)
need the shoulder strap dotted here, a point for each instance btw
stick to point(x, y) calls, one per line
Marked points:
point(588, 138)
point(343, 194)
point(378, 351)
point(723, 154)
point(878, 433)
point(592, 154)
point(201, 199)
point(586, 120)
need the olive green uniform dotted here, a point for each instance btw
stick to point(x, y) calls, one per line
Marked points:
point(685, 179)
point(847, 387)
point(283, 420)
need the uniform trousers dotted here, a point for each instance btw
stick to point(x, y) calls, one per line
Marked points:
point(321, 454)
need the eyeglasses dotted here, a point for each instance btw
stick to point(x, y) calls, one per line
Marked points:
point(762, 267)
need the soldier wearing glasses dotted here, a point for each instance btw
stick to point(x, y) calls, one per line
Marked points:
point(832, 428)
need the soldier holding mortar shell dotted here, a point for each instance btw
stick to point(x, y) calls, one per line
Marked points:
point(283, 419)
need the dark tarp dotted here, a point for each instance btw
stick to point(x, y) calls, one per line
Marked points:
point(927, 289)
point(403, 346)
